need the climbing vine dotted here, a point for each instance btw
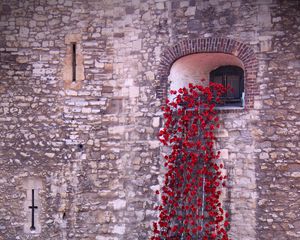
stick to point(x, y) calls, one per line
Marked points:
point(190, 197)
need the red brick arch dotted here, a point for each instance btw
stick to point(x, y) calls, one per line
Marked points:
point(211, 45)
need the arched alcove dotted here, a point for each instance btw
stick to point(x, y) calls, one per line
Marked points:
point(195, 67)
point(231, 50)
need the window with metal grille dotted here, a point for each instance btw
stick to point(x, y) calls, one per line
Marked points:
point(232, 77)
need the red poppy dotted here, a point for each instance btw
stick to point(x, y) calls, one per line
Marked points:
point(186, 175)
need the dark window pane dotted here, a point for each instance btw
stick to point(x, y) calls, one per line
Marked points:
point(218, 79)
point(233, 82)
point(233, 77)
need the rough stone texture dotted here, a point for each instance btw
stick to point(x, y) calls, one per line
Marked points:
point(277, 128)
point(94, 147)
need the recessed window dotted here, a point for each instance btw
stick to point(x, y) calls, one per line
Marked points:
point(73, 68)
point(232, 77)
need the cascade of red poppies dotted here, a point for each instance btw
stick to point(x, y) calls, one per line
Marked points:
point(190, 197)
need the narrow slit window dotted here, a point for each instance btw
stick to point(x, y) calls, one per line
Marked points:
point(74, 62)
point(32, 207)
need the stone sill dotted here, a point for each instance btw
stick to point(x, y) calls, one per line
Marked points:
point(230, 109)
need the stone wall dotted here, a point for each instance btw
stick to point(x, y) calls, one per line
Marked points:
point(277, 128)
point(92, 146)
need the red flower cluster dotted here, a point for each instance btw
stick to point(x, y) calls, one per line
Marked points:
point(190, 198)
